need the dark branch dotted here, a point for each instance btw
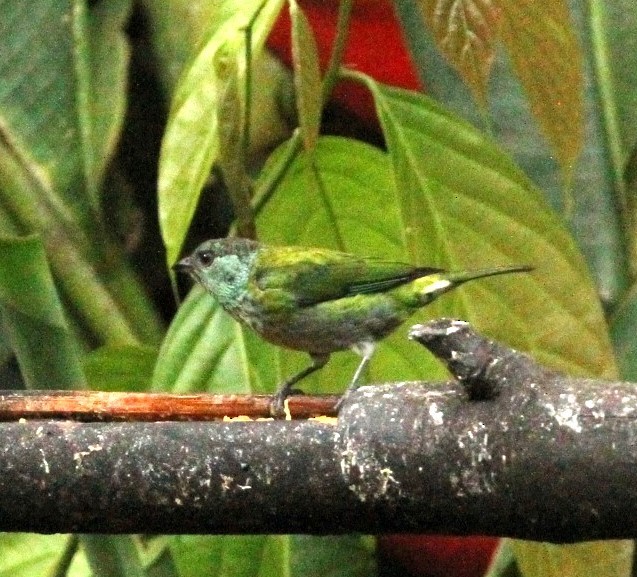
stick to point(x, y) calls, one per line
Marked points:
point(545, 458)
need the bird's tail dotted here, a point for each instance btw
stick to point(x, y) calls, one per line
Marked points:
point(436, 284)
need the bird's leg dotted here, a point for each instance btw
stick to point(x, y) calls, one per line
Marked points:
point(285, 390)
point(366, 350)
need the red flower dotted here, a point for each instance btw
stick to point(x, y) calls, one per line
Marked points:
point(374, 46)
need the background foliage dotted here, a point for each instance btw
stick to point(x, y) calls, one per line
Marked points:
point(522, 150)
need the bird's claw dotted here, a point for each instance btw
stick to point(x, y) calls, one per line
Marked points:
point(339, 403)
point(277, 404)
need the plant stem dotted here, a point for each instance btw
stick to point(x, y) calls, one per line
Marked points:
point(606, 90)
point(606, 87)
point(336, 58)
point(274, 177)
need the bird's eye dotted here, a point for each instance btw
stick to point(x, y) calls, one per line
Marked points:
point(205, 258)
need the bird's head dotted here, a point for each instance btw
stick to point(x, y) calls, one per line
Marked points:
point(221, 266)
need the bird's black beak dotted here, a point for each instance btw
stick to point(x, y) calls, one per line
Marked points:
point(184, 265)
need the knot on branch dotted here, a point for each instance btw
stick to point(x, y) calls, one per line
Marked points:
point(484, 367)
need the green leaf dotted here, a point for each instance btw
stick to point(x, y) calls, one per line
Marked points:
point(206, 350)
point(191, 141)
point(614, 46)
point(477, 201)
point(463, 203)
point(120, 368)
point(607, 558)
point(39, 82)
point(547, 60)
point(177, 29)
point(47, 74)
point(108, 58)
point(222, 556)
point(233, 142)
point(59, 119)
point(465, 32)
point(270, 556)
point(33, 319)
point(112, 556)
point(613, 49)
point(307, 76)
point(598, 216)
point(30, 555)
point(593, 216)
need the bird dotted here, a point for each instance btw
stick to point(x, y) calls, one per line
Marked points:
point(318, 300)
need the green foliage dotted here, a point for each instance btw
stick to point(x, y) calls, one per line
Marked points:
point(543, 49)
point(60, 117)
point(35, 555)
point(33, 320)
point(307, 76)
point(599, 558)
point(205, 350)
point(191, 142)
point(260, 556)
point(443, 193)
point(120, 368)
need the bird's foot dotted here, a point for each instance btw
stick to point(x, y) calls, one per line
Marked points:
point(339, 403)
point(277, 404)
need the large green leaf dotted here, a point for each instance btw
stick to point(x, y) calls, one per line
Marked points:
point(33, 319)
point(106, 81)
point(354, 208)
point(60, 115)
point(556, 326)
point(613, 49)
point(464, 185)
point(592, 212)
point(177, 28)
point(41, 73)
point(614, 46)
point(465, 203)
point(191, 142)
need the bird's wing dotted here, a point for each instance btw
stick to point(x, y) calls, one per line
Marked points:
point(311, 276)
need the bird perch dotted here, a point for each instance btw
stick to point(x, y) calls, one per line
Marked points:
point(508, 448)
